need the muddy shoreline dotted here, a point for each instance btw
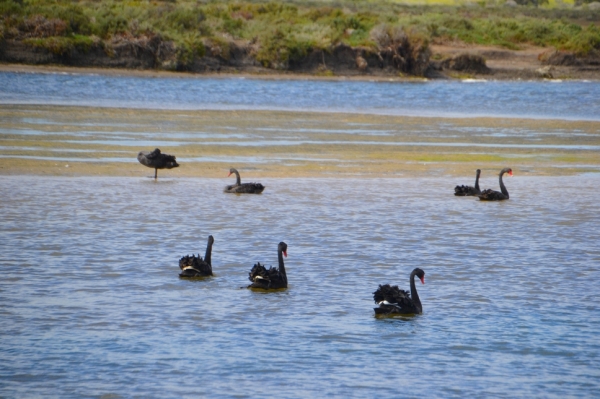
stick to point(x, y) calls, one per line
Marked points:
point(77, 141)
point(265, 75)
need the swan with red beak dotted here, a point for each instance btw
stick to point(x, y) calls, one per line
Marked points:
point(246, 188)
point(272, 278)
point(394, 301)
point(491, 195)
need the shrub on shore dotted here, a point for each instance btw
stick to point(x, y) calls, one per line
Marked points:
point(280, 33)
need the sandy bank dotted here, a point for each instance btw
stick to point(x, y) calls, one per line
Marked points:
point(75, 141)
point(265, 75)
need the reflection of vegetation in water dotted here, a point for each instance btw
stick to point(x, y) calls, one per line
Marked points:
point(281, 32)
point(294, 143)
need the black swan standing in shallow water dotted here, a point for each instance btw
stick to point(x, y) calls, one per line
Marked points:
point(157, 160)
point(491, 195)
point(392, 300)
point(193, 266)
point(246, 188)
point(271, 278)
point(465, 191)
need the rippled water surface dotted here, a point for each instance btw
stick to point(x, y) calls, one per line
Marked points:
point(578, 100)
point(92, 305)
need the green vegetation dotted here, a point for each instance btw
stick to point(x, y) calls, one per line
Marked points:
point(281, 32)
point(62, 45)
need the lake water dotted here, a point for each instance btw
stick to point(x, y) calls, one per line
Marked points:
point(578, 100)
point(92, 305)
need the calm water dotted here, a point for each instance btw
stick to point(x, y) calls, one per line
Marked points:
point(578, 100)
point(92, 306)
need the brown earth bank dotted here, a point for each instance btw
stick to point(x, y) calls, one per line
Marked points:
point(405, 60)
point(530, 62)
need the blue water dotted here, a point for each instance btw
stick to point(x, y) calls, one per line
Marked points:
point(561, 100)
point(92, 306)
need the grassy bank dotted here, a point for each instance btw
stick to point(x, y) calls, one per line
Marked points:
point(280, 33)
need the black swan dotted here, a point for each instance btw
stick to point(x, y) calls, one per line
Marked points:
point(392, 300)
point(193, 266)
point(246, 188)
point(465, 191)
point(157, 160)
point(271, 278)
point(491, 195)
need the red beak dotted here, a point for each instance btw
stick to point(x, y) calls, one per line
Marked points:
point(229, 174)
point(284, 253)
point(422, 280)
point(510, 173)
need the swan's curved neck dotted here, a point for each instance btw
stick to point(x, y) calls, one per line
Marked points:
point(414, 294)
point(281, 265)
point(208, 253)
point(477, 182)
point(238, 181)
point(502, 187)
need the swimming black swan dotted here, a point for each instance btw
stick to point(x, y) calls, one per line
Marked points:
point(465, 191)
point(491, 195)
point(246, 188)
point(271, 278)
point(392, 300)
point(157, 160)
point(193, 266)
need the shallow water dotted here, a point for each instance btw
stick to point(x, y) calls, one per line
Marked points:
point(274, 141)
point(574, 100)
point(92, 306)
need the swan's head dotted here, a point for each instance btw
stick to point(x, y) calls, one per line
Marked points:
point(478, 172)
point(231, 171)
point(506, 170)
point(211, 240)
point(420, 274)
point(283, 248)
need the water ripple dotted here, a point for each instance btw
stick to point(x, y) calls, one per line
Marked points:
point(578, 100)
point(92, 305)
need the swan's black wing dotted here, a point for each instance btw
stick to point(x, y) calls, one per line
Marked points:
point(465, 191)
point(391, 294)
point(262, 277)
point(249, 188)
point(167, 161)
point(194, 266)
point(154, 154)
point(392, 299)
point(258, 270)
point(491, 195)
point(188, 261)
point(158, 160)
